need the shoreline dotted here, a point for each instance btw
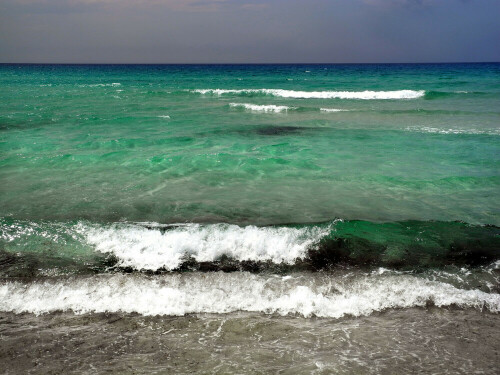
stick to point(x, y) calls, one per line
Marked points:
point(423, 340)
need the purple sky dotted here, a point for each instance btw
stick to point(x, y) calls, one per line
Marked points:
point(249, 31)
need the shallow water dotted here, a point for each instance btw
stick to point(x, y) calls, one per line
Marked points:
point(444, 341)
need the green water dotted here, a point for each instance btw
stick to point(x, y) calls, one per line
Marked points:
point(406, 156)
point(31, 249)
point(89, 142)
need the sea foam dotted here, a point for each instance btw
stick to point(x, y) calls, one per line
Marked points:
point(145, 249)
point(362, 95)
point(333, 110)
point(179, 294)
point(261, 108)
point(114, 84)
point(428, 129)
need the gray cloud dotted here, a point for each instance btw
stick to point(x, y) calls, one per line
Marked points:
point(77, 6)
point(175, 31)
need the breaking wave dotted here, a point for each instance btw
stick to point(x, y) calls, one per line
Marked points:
point(127, 267)
point(179, 294)
point(333, 110)
point(141, 248)
point(114, 84)
point(261, 108)
point(89, 247)
point(362, 95)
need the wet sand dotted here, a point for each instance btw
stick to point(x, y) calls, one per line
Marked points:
point(411, 341)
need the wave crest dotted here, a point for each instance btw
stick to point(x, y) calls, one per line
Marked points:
point(361, 95)
point(144, 249)
point(429, 129)
point(152, 247)
point(261, 108)
point(179, 294)
point(333, 110)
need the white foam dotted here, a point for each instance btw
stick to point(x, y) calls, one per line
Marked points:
point(262, 108)
point(362, 95)
point(164, 116)
point(427, 129)
point(141, 248)
point(220, 91)
point(179, 294)
point(114, 84)
point(333, 110)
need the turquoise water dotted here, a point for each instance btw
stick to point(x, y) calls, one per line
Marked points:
point(94, 142)
point(169, 172)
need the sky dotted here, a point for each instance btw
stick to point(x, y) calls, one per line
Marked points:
point(249, 31)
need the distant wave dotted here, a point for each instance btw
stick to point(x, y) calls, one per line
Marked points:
point(164, 116)
point(362, 95)
point(333, 110)
point(430, 95)
point(422, 111)
point(114, 84)
point(262, 108)
point(281, 108)
point(330, 295)
point(428, 129)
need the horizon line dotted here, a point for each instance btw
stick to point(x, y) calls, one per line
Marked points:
point(250, 63)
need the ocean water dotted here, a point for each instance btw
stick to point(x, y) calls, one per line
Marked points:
point(259, 199)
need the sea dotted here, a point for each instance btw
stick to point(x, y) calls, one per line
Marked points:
point(250, 219)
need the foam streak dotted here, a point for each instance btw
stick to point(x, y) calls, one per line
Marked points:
point(179, 294)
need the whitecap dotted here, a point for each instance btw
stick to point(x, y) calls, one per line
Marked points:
point(178, 294)
point(428, 129)
point(114, 84)
point(333, 110)
point(361, 95)
point(261, 108)
point(143, 249)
